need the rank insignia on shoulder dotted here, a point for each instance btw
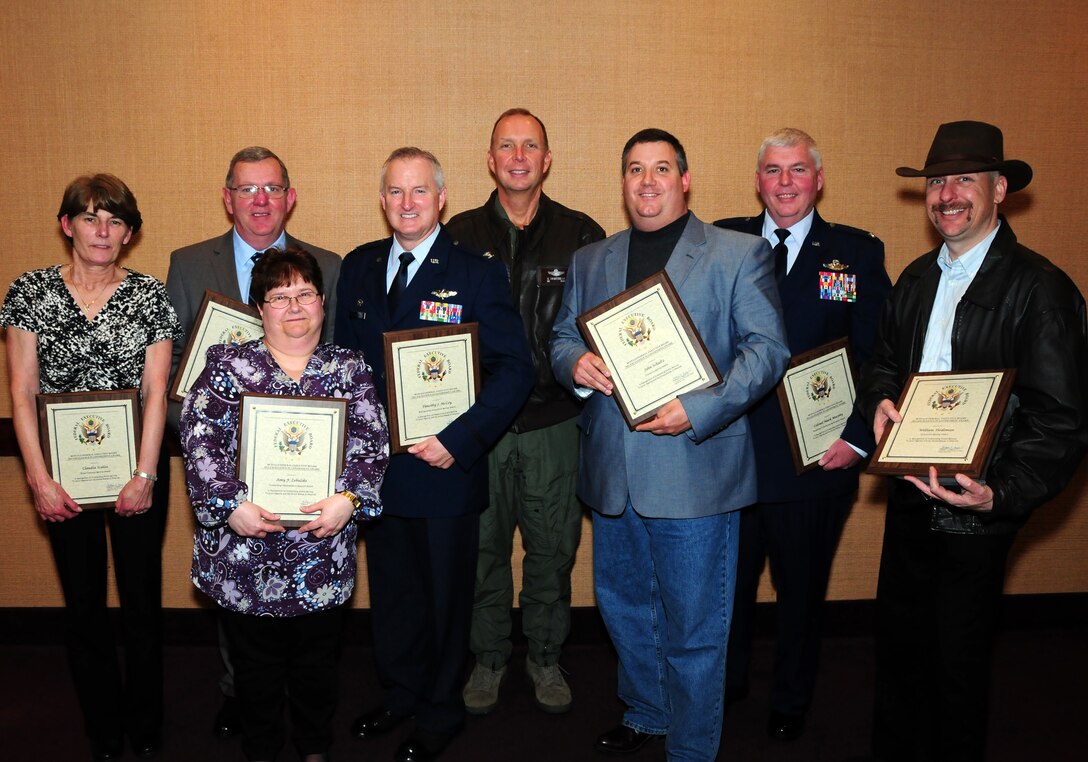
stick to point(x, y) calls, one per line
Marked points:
point(444, 294)
point(440, 312)
point(836, 266)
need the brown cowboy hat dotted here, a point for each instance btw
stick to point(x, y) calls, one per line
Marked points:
point(969, 147)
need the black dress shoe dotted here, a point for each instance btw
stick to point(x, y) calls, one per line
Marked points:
point(623, 740)
point(423, 746)
point(785, 727)
point(103, 752)
point(146, 747)
point(375, 723)
point(228, 720)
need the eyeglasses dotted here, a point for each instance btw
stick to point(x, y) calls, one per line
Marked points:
point(279, 301)
point(249, 191)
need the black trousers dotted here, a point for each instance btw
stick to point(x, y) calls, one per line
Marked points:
point(422, 572)
point(114, 701)
point(800, 539)
point(938, 601)
point(280, 659)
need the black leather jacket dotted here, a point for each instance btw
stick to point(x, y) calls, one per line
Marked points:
point(537, 259)
point(1019, 312)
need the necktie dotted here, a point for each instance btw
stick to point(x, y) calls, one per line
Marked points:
point(255, 258)
point(781, 253)
point(400, 282)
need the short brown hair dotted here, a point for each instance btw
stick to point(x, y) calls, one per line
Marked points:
point(278, 267)
point(101, 191)
point(252, 155)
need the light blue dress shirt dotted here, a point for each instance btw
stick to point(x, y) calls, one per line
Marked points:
point(243, 260)
point(956, 277)
point(798, 233)
point(419, 253)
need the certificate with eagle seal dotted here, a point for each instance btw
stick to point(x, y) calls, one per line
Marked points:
point(649, 343)
point(220, 320)
point(290, 451)
point(817, 396)
point(950, 421)
point(89, 441)
point(433, 376)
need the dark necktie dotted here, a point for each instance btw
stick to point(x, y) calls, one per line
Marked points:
point(400, 282)
point(781, 253)
point(255, 258)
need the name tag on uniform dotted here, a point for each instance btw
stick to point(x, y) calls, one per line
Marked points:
point(838, 287)
point(440, 312)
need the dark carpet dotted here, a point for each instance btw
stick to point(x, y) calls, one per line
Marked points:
point(1039, 695)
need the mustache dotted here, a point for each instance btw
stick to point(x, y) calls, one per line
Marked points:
point(945, 206)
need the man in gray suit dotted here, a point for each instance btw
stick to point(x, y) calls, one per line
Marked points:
point(666, 496)
point(258, 195)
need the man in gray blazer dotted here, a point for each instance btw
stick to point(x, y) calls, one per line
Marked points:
point(666, 496)
point(258, 196)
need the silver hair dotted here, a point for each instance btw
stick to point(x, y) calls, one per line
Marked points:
point(411, 152)
point(788, 137)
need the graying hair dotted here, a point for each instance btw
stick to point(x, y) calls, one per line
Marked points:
point(407, 153)
point(254, 154)
point(788, 137)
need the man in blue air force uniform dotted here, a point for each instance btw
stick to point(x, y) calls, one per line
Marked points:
point(832, 283)
point(421, 554)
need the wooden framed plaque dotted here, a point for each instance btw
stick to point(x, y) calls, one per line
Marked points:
point(649, 343)
point(90, 442)
point(220, 320)
point(290, 451)
point(950, 421)
point(817, 397)
point(433, 376)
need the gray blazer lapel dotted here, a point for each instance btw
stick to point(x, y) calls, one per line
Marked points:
point(223, 269)
point(689, 249)
point(615, 263)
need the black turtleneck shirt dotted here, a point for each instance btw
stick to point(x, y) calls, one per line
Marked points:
point(650, 250)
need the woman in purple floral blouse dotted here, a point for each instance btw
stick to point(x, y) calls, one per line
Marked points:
point(281, 591)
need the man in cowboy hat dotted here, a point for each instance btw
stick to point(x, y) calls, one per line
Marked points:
point(979, 301)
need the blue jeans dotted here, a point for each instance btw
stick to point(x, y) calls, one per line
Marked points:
point(665, 590)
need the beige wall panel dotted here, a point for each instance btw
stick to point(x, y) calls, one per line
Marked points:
point(162, 93)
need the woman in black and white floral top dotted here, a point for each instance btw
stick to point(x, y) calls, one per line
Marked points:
point(92, 325)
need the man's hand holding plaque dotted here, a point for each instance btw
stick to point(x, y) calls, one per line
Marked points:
point(434, 377)
point(646, 352)
point(817, 397)
point(941, 434)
